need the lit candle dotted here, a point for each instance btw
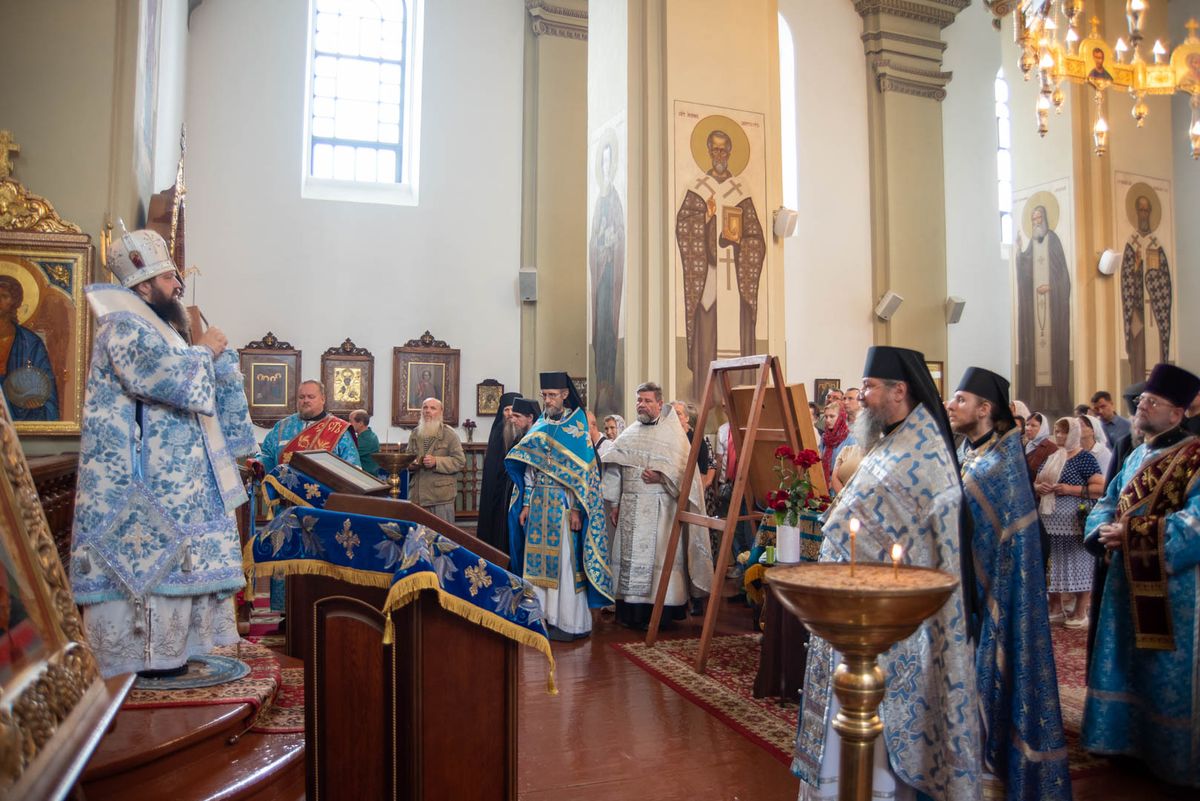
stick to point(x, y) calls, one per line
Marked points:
point(897, 552)
point(855, 525)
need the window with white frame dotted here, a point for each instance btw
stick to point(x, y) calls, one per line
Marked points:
point(787, 114)
point(363, 104)
point(1004, 189)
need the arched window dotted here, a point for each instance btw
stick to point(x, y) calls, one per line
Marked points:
point(1004, 189)
point(787, 114)
point(363, 109)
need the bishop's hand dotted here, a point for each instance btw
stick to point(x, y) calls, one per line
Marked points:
point(214, 339)
point(1111, 535)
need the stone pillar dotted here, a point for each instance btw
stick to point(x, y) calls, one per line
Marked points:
point(554, 193)
point(903, 46)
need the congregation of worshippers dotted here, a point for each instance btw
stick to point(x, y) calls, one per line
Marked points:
point(1083, 521)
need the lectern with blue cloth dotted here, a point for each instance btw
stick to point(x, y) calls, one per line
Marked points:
point(408, 628)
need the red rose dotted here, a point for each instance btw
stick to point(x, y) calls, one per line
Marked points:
point(783, 452)
point(806, 458)
point(779, 505)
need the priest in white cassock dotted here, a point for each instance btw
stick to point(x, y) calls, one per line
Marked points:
point(155, 555)
point(644, 493)
point(906, 490)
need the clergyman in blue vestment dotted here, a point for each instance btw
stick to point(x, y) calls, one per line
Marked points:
point(1143, 696)
point(1024, 747)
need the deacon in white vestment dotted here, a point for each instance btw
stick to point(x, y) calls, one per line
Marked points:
point(155, 555)
point(650, 456)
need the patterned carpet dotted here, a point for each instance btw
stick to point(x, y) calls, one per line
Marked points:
point(725, 690)
point(276, 694)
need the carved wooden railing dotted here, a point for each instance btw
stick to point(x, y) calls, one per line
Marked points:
point(54, 477)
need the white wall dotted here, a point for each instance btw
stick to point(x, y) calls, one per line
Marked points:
point(315, 272)
point(827, 264)
point(975, 268)
point(172, 88)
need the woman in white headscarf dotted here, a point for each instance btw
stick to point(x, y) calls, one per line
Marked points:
point(1068, 484)
point(1092, 438)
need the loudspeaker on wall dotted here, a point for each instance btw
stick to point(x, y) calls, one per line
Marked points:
point(887, 305)
point(954, 309)
point(527, 285)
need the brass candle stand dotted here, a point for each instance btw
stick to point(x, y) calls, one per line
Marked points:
point(394, 462)
point(861, 614)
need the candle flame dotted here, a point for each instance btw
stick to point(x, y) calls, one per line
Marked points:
point(897, 552)
point(855, 525)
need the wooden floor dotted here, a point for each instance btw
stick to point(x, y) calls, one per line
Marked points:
point(615, 732)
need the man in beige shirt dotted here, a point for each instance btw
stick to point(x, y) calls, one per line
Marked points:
point(433, 482)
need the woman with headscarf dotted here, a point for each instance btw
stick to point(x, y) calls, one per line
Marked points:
point(1093, 439)
point(1039, 446)
point(1069, 481)
point(835, 437)
point(614, 424)
point(496, 486)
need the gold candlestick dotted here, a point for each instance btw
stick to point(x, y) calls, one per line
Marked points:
point(861, 615)
point(394, 462)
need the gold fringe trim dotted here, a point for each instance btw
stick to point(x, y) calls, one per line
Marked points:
point(408, 588)
point(315, 567)
point(284, 492)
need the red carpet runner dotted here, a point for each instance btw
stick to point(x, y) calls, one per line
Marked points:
point(725, 691)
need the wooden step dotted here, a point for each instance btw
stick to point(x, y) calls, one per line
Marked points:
point(197, 753)
point(259, 767)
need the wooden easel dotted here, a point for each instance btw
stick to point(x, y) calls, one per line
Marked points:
point(789, 433)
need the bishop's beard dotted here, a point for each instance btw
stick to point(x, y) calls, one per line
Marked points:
point(868, 428)
point(429, 430)
point(556, 414)
point(174, 313)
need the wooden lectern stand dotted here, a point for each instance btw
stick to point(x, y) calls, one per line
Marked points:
point(432, 716)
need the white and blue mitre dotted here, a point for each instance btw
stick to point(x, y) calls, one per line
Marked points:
point(906, 490)
point(162, 425)
point(138, 256)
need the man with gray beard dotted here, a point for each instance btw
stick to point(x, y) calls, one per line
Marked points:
point(1043, 318)
point(433, 482)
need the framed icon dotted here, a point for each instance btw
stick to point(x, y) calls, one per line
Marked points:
point(348, 374)
point(937, 370)
point(424, 368)
point(823, 386)
point(271, 368)
point(487, 396)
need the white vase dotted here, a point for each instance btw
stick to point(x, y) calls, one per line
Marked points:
point(787, 544)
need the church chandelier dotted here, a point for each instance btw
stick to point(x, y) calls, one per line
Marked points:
point(1055, 56)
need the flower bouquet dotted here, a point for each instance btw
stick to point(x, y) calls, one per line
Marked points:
point(470, 425)
point(795, 502)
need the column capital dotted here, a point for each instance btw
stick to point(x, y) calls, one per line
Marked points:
point(903, 44)
point(568, 20)
point(935, 12)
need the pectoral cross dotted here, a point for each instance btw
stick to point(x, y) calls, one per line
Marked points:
point(7, 147)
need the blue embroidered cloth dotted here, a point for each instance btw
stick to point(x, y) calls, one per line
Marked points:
point(1024, 745)
point(561, 450)
point(406, 558)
